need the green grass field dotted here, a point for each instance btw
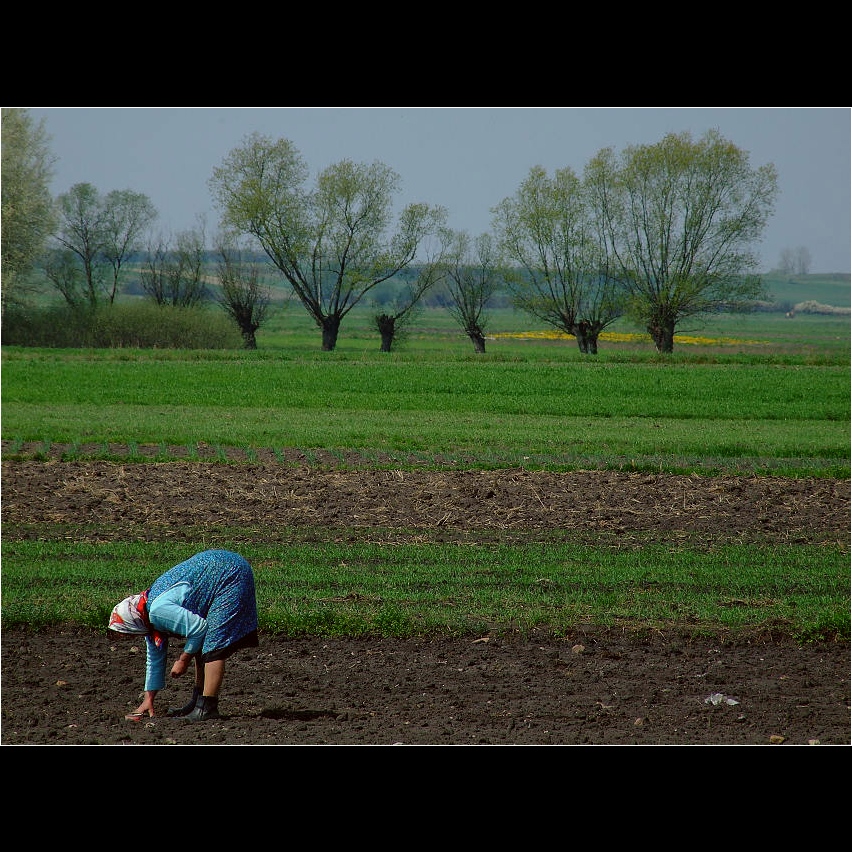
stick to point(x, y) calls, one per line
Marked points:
point(322, 587)
point(532, 401)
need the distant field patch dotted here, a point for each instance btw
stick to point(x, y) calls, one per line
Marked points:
point(628, 337)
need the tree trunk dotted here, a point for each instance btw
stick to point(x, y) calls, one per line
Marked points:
point(247, 330)
point(587, 334)
point(387, 329)
point(478, 339)
point(330, 328)
point(581, 333)
point(662, 333)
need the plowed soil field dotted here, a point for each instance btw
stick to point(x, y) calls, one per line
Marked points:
point(69, 685)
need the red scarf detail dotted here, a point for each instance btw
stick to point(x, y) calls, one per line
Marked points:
point(142, 608)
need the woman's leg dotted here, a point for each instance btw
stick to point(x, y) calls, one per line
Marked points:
point(207, 706)
point(211, 679)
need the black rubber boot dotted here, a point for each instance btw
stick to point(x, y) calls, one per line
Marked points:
point(207, 707)
point(187, 708)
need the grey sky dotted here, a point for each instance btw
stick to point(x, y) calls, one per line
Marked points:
point(466, 159)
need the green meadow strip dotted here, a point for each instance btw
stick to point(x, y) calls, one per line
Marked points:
point(442, 589)
point(586, 389)
point(496, 441)
point(790, 420)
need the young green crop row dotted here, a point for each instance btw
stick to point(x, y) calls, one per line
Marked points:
point(327, 589)
point(670, 415)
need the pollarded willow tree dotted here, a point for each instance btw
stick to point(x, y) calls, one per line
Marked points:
point(245, 296)
point(557, 264)
point(680, 219)
point(333, 244)
point(474, 274)
point(395, 320)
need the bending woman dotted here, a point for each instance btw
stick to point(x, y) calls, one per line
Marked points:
point(209, 600)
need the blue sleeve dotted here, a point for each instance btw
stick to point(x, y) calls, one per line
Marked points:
point(196, 630)
point(155, 666)
point(168, 614)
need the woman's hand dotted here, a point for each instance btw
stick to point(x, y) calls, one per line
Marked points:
point(146, 708)
point(180, 665)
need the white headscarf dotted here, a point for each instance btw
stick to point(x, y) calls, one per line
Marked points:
point(127, 616)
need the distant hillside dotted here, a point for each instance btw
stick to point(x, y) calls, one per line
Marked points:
point(832, 288)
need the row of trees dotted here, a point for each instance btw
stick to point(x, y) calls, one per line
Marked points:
point(659, 233)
